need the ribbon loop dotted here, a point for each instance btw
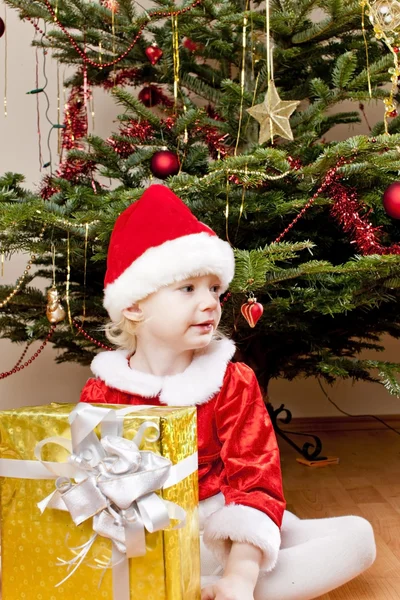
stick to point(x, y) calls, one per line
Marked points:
point(112, 482)
point(122, 455)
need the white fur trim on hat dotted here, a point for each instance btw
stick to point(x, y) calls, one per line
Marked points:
point(238, 523)
point(175, 260)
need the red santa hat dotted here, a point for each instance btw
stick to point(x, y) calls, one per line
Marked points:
point(155, 242)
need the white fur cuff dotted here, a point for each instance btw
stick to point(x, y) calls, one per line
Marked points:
point(238, 523)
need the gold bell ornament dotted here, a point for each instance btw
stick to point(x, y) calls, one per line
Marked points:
point(54, 310)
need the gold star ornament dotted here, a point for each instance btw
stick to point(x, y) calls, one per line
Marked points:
point(273, 115)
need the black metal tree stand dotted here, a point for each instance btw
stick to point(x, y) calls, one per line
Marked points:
point(309, 450)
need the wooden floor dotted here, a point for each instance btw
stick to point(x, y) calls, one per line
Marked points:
point(365, 483)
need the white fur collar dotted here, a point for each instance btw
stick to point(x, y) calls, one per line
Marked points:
point(196, 385)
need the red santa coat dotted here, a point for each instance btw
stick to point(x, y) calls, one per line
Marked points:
point(240, 484)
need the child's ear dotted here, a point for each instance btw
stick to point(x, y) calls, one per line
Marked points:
point(133, 313)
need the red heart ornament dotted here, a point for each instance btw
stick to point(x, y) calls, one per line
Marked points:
point(252, 311)
point(153, 53)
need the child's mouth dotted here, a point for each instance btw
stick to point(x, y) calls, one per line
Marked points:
point(204, 327)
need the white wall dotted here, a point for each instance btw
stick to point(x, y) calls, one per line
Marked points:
point(44, 381)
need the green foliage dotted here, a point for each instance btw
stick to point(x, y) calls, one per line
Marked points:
point(324, 303)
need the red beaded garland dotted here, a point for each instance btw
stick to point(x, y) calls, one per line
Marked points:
point(225, 299)
point(80, 329)
point(82, 53)
point(328, 180)
point(18, 367)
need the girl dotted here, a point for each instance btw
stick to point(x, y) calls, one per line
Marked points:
point(165, 274)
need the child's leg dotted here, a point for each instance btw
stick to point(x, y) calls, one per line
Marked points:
point(316, 556)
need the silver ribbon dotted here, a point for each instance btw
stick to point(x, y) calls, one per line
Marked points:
point(111, 482)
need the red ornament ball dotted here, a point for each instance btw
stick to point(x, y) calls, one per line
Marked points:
point(190, 45)
point(150, 95)
point(153, 53)
point(391, 200)
point(164, 163)
point(252, 311)
point(2, 27)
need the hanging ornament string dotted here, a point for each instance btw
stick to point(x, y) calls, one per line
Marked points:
point(273, 113)
point(151, 16)
point(175, 52)
point(364, 34)
point(242, 75)
point(270, 66)
point(241, 207)
point(68, 280)
point(176, 60)
point(86, 93)
point(18, 367)
point(58, 111)
point(113, 38)
point(227, 211)
point(92, 111)
point(5, 62)
point(39, 132)
point(84, 273)
point(54, 310)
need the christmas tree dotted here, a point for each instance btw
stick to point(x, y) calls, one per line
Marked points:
point(228, 102)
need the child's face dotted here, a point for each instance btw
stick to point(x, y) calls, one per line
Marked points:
point(182, 315)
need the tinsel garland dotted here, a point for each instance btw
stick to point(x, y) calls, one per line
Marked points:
point(141, 130)
point(75, 118)
point(75, 128)
point(122, 77)
point(213, 138)
point(346, 211)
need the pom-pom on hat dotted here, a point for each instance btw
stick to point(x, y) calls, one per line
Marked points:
point(155, 242)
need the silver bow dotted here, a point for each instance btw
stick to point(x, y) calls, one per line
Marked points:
point(112, 482)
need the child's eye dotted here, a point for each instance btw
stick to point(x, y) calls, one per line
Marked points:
point(216, 289)
point(187, 288)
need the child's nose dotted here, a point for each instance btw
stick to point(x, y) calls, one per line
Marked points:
point(208, 301)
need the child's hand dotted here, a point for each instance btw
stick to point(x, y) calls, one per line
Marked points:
point(231, 587)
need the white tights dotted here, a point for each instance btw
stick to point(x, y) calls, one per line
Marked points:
point(316, 556)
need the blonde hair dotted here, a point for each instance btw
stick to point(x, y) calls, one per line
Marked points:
point(123, 334)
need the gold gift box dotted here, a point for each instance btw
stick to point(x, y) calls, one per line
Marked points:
point(33, 542)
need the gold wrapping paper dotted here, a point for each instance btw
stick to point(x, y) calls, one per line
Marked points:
point(32, 543)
